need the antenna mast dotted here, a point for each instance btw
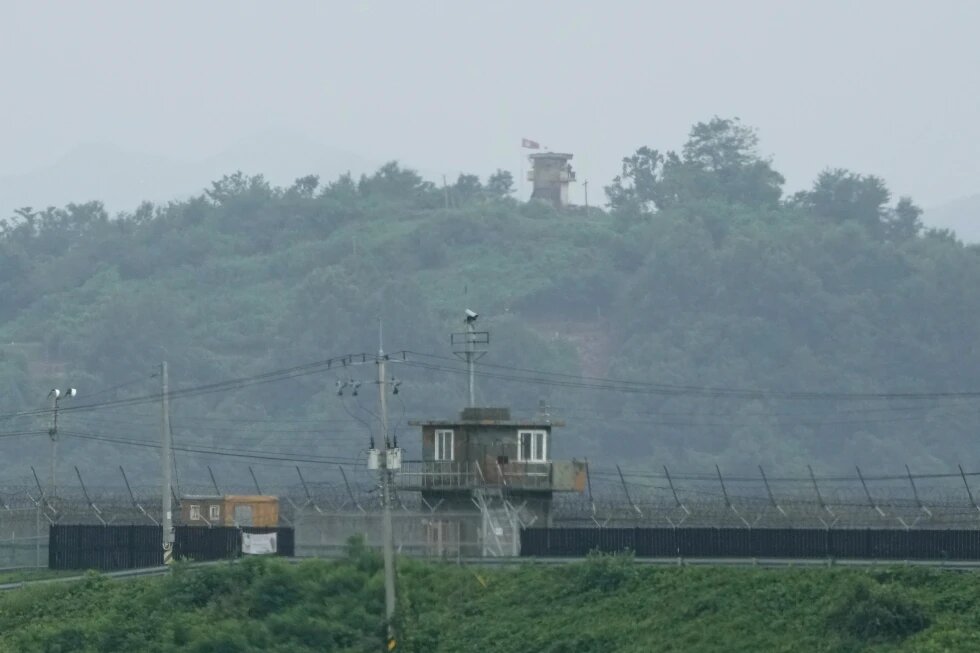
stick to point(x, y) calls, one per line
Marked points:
point(469, 340)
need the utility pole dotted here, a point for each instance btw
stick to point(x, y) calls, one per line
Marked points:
point(387, 533)
point(165, 457)
point(471, 368)
point(53, 434)
point(55, 395)
point(585, 185)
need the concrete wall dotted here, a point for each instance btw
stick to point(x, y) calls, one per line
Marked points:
point(419, 533)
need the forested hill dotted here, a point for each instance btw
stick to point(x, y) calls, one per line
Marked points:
point(701, 276)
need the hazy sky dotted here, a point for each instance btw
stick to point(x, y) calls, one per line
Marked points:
point(881, 87)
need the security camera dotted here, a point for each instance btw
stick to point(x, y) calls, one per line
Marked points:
point(471, 315)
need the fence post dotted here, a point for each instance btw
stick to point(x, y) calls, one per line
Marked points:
point(871, 502)
point(677, 501)
point(627, 492)
point(728, 503)
point(37, 534)
point(95, 508)
point(588, 482)
point(772, 499)
point(258, 490)
point(132, 497)
point(820, 501)
point(217, 490)
point(969, 493)
point(915, 493)
point(306, 490)
point(41, 497)
point(350, 492)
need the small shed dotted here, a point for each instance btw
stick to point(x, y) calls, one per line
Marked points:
point(230, 510)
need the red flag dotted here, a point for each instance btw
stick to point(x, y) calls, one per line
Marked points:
point(528, 143)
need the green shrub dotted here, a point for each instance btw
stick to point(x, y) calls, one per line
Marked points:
point(876, 614)
point(607, 572)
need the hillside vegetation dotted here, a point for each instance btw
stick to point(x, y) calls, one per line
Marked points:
point(604, 605)
point(701, 275)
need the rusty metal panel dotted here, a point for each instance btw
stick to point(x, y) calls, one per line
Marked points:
point(265, 510)
point(568, 476)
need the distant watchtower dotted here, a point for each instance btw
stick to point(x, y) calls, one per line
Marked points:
point(551, 174)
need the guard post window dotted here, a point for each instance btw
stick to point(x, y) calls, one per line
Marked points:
point(444, 445)
point(214, 512)
point(532, 446)
point(195, 513)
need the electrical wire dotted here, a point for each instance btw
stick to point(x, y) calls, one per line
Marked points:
point(561, 379)
point(713, 478)
point(307, 369)
point(238, 453)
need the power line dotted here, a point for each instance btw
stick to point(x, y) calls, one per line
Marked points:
point(631, 412)
point(238, 453)
point(103, 422)
point(560, 379)
point(709, 478)
point(13, 434)
point(222, 386)
point(506, 373)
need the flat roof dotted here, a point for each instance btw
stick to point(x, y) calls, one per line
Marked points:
point(252, 498)
point(550, 155)
point(519, 423)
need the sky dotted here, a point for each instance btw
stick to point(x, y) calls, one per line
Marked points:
point(887, 88)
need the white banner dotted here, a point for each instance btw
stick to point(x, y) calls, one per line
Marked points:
point(258, 543)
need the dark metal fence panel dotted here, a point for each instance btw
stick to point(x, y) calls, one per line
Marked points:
point(199, 544)
point(287, 541)
point(222, 542)
point(883, 544)
point(106, 548)
point(850, 543)
point(113, 548)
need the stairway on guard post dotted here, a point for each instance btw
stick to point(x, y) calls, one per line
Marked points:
point(502, 521)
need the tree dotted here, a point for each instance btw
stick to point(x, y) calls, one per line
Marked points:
point(904, 222)
point(343, 189)
point(231, 187)
point(725, 154)
point(637, 188)
point(466, 189)
point(500, 184)
point(392, 182)
point(719, 161)
point(844, 196)
point(305, 186)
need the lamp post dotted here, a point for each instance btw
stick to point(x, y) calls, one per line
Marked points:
point(56, 396)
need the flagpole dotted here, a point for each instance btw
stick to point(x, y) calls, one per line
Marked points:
point(522, 184)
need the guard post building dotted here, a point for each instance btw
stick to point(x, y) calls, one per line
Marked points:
point(492, 473)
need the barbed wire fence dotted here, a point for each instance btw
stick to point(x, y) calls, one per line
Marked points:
point(326, 506)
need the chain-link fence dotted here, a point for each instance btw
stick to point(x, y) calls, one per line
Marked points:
point(23, 538)
point(328, 506)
